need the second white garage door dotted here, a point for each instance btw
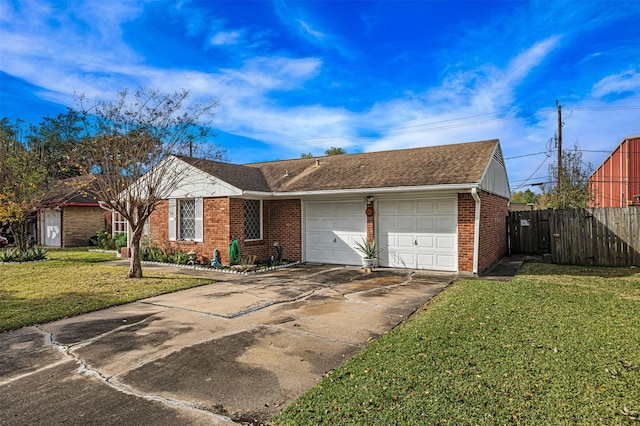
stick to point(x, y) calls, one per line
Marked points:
point(331, 231)
point(419, 234)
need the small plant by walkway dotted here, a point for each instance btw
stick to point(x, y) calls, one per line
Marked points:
point(74, 282)
point(557, 345)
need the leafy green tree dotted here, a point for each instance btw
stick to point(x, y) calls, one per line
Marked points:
point(23, 182)
point(526, 196)
point(335, 151)
point(56, 138)
point(308, 155)
point(569, 186)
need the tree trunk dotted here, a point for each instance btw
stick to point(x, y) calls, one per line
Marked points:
point(20, 237)
point(135, 267)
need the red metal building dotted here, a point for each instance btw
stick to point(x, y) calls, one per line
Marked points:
point(616, 183)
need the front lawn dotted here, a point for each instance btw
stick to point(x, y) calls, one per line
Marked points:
point(74, 282)
point(557, 345)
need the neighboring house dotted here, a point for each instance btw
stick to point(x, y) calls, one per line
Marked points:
point(441, 208)
point(616, 183)
point(68, 216)
point(521, 207)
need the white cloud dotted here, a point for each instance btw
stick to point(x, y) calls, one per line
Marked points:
point(628, 81)
point(306, 28)
point(225, 38)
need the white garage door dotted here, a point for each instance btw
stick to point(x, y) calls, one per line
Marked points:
point(51, 228)
point(331, 230)
point(419, 234)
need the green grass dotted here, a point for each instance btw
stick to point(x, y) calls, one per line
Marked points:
point(557, 345)
point(74, 282)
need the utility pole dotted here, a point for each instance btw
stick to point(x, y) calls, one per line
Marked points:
point(559, 108)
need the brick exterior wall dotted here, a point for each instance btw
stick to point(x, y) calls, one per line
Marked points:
point(79, 224)
point(224, 219)
point(493, 230)
point(371, 223)
point(466, 229)
point(283, 223)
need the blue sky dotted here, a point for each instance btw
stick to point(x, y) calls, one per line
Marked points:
point(298, 77)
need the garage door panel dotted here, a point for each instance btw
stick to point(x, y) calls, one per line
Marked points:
point(406, 224)
point(404, 259)
point(425, 224)
point(426, 261)
point(445, 206)
point(404, 241)
point(425, 241)
point(446, 261)
point(425, 207)
point(445, 242)
point(445, 224)
point(331, 230)
point(405, 207)
point(419, 233)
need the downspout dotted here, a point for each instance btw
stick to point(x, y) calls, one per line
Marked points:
point(476, 231)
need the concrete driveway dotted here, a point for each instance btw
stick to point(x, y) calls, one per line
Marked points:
point(238, 350)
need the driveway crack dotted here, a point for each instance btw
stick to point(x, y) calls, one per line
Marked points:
point(84, 369)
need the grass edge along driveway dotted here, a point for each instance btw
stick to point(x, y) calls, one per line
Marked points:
point(72, 282)
point(557, 345)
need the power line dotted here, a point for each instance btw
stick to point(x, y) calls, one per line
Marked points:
point(531, 175)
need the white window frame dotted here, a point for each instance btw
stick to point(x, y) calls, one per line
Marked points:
point(244, 211)
point(119, 225)
point(181, 227)
point(174, 219)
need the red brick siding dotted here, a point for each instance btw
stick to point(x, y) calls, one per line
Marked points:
point(371, 223)
point(493, 230)
point(283, 223)
point(466, 229)
point(215, 224)
point(224, 219)
point(79, 224)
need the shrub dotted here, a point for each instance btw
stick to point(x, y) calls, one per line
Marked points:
point(179, 257)
point(155, 254)
point(29, 255)
point(105, 241)
point(120, 241)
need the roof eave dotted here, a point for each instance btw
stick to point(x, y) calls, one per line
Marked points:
point(355, 191)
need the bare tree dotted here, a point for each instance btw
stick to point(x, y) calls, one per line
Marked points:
point(127, 146)
point(569, 188)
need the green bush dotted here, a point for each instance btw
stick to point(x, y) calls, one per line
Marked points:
point(179, 257)
point(29, 255)
point(157, 254)
point(105, 241)
point(120, 241)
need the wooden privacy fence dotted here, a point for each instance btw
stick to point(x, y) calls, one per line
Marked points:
point(603, 237)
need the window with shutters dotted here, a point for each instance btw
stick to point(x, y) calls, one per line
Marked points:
point(187, 219)
point(252, 219)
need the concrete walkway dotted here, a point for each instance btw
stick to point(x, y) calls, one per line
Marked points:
point(238, 350)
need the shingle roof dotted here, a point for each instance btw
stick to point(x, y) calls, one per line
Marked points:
point(436, 165)
point(71, 190)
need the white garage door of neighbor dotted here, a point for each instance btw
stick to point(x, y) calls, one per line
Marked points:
point(51, 228)
point(420, 234)
point(331, 231)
